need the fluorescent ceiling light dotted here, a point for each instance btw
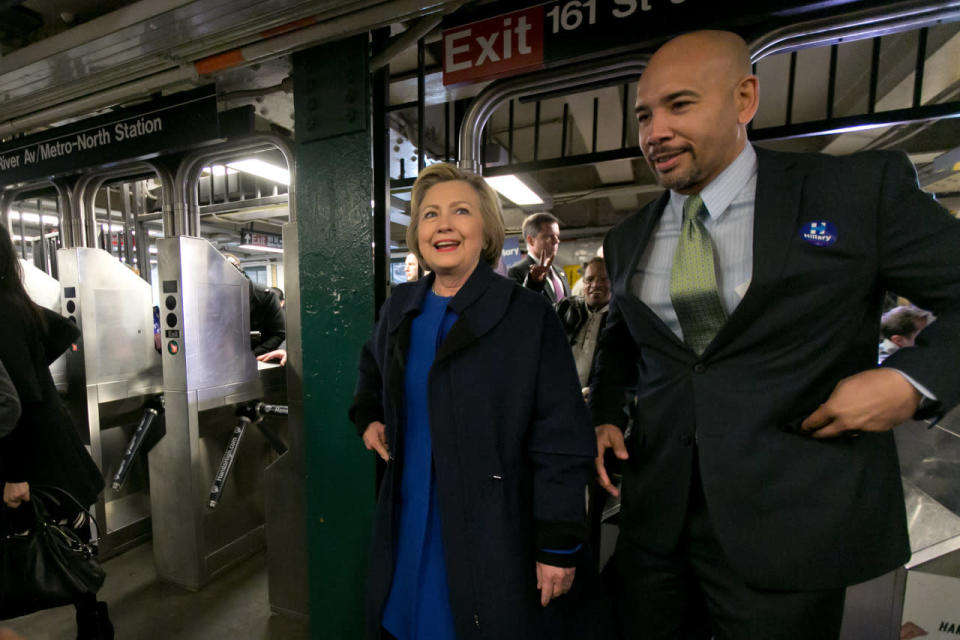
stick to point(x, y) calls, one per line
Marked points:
point(256, 247)
point(217, 169)
point(34, 218)
point(262, 169)
point(514, 190)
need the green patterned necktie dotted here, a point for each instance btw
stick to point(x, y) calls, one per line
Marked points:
point(693, 280)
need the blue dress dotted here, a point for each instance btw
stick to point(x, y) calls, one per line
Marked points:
point(418, 607)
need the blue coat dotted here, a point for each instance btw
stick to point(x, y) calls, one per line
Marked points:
point(512, 446)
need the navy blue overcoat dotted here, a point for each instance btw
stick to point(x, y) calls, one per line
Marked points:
point(512, 448)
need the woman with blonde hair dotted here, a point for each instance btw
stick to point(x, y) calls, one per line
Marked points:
point(469, 393)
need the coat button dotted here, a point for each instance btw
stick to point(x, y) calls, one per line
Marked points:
point(699, 368)
point(686, 439)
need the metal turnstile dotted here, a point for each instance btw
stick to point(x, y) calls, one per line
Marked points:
point(210, 377)
point(113, 377)
point(922, 598)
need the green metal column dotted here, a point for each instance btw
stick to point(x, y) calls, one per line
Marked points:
point(334, 186)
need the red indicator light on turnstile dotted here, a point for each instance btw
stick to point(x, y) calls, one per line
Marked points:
point(74, 347)
point(173, 347)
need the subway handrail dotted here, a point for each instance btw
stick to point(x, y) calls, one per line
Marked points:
point(84, 191)
point(856, 25)
point(186, 205)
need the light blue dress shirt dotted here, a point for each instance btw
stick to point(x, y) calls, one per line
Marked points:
point(729, 200)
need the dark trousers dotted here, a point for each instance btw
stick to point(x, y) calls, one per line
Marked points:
point(693, 593)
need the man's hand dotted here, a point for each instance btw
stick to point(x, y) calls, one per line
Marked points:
point(278, 354)
point(874, 400)
point(539, 271)
point(553, 582)
point(375, 439)
point(16, 492)
point(609, 436)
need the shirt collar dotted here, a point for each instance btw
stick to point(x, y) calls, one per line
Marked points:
point(722, 190)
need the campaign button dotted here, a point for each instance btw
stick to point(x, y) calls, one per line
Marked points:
point(820, 233)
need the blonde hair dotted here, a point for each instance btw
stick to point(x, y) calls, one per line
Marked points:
point(490, 212)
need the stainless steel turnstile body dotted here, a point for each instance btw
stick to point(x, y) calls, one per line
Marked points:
point(208, 369)
point(113, 373)
point(879, 609)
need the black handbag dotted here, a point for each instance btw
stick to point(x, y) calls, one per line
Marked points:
point(48, 565)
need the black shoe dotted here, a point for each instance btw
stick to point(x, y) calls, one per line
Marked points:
point(93, 622)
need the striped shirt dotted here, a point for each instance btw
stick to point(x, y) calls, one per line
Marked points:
point(729, 200)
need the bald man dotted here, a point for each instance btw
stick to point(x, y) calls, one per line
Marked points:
point(760, 477)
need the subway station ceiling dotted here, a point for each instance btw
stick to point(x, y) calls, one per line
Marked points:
point(62, 60)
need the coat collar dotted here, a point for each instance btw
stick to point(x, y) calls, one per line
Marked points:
point(480, 304)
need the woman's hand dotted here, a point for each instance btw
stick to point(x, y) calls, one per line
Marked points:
point(375, 439)
point(16, 492)
point(553, 582)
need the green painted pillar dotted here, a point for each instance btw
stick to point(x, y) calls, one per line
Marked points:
point(334, 182)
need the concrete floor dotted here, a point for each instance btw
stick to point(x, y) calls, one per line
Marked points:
point(233, 607)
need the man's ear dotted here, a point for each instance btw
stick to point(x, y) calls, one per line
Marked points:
point(747, 95)
point(899, 340)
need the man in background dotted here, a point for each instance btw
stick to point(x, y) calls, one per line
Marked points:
point(900, 327)
point(583, 318)
point(266, 314)
point(537, 271)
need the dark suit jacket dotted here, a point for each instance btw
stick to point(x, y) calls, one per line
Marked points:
point(266, 316)
point(519, 273)
point(791, 512)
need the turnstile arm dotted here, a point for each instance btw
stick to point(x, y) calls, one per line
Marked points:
point(250, 413)
point(226, 463)
point(272, 409)
point(139, 435)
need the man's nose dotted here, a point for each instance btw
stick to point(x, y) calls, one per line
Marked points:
point(658, 128)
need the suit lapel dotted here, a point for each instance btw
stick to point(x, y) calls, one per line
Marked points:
point(776, 206)
point(646, 222)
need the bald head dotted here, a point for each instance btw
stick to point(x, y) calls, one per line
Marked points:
point(723, 51)
point(694, 100)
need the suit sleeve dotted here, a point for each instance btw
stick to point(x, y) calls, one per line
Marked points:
point(561, 446)
point(615, 374)
point(516, 273)
point(920, 243)
point(273, 330)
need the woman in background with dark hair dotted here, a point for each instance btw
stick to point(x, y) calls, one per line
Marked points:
point(44, 447)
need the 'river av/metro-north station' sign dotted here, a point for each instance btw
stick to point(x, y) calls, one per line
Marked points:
point(510, 41)
point(174, 122)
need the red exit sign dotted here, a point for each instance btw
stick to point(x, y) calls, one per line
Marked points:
point(500, 46)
